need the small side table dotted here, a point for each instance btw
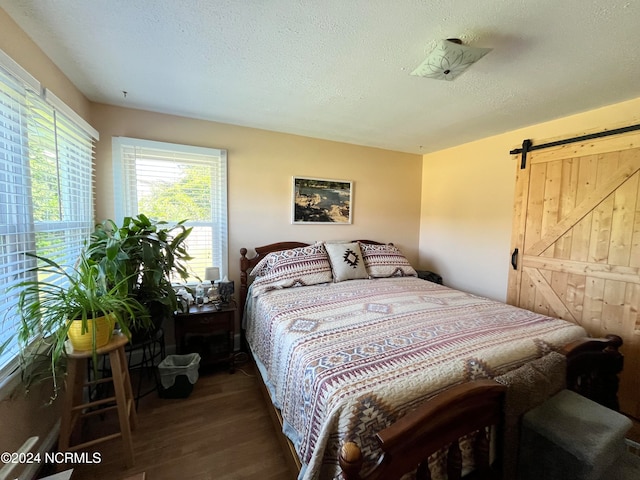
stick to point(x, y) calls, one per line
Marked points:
point(74, 407)
point(207, 331)
point(430, 276)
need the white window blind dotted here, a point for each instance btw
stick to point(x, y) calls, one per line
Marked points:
point(46, 196)
point(172, 182)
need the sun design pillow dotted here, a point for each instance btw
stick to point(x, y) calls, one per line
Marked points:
point(346, 261)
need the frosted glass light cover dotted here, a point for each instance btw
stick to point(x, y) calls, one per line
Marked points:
point(448, 60)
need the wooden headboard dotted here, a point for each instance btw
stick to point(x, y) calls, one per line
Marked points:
point(246, 263)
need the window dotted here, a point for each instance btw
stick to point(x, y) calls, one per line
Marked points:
point(171, 182)
point(46, 188)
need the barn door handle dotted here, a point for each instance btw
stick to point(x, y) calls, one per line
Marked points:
point(514, 259)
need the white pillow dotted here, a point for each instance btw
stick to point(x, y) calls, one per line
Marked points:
point(346, 261)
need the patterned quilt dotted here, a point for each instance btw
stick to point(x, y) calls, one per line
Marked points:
point(344, 360)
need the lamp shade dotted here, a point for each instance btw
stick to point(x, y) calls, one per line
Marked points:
point(212, 274)
point(449, 59)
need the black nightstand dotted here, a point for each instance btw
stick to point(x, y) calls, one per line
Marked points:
point(431, 276)
point(207, 331)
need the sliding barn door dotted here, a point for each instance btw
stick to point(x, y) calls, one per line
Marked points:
point(577, 231)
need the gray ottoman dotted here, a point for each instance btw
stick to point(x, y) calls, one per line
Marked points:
point(569, 437)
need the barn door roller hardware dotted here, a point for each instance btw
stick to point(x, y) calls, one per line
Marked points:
point(527, 145)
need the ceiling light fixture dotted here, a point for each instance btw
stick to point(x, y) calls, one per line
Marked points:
point(449, 59)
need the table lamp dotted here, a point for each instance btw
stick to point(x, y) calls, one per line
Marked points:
point(212, 274)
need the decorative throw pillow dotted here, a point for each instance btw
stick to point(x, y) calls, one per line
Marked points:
point(384, 261)
point(263, 266)
point(346, 261)
point(296, 267)
point(269, 261)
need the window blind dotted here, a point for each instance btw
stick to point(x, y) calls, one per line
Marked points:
point(173, 183)
point(16, 224)
point(46, 193)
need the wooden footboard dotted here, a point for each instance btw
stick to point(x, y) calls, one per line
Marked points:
point(593, 364)
point(468, 410)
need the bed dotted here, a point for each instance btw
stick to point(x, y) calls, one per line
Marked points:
point(347, 340)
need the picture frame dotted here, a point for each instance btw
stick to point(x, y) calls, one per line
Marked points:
point(321, 201)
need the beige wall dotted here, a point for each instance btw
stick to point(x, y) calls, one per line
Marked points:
point(261, 164)
point(15, 43)
point(467, 199)
point(24, 416)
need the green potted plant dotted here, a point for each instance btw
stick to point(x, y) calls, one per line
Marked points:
point(142, 257)
point(59, 303)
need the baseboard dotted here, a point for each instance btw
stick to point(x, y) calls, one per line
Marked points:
point(47, 445)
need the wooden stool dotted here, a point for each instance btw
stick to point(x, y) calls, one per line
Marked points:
point(73, 406)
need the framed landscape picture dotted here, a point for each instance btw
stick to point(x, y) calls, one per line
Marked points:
point(317, 200)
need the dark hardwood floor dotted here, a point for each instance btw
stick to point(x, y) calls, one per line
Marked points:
point(222, 431)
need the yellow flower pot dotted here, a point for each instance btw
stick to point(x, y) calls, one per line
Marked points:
point(84, 341)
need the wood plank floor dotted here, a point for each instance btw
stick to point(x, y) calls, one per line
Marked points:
point(222, 431)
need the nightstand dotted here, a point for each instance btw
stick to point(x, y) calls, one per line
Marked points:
point(207, 331)
point(431, 276)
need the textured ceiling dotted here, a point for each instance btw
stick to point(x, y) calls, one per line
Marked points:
point(339, 69)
